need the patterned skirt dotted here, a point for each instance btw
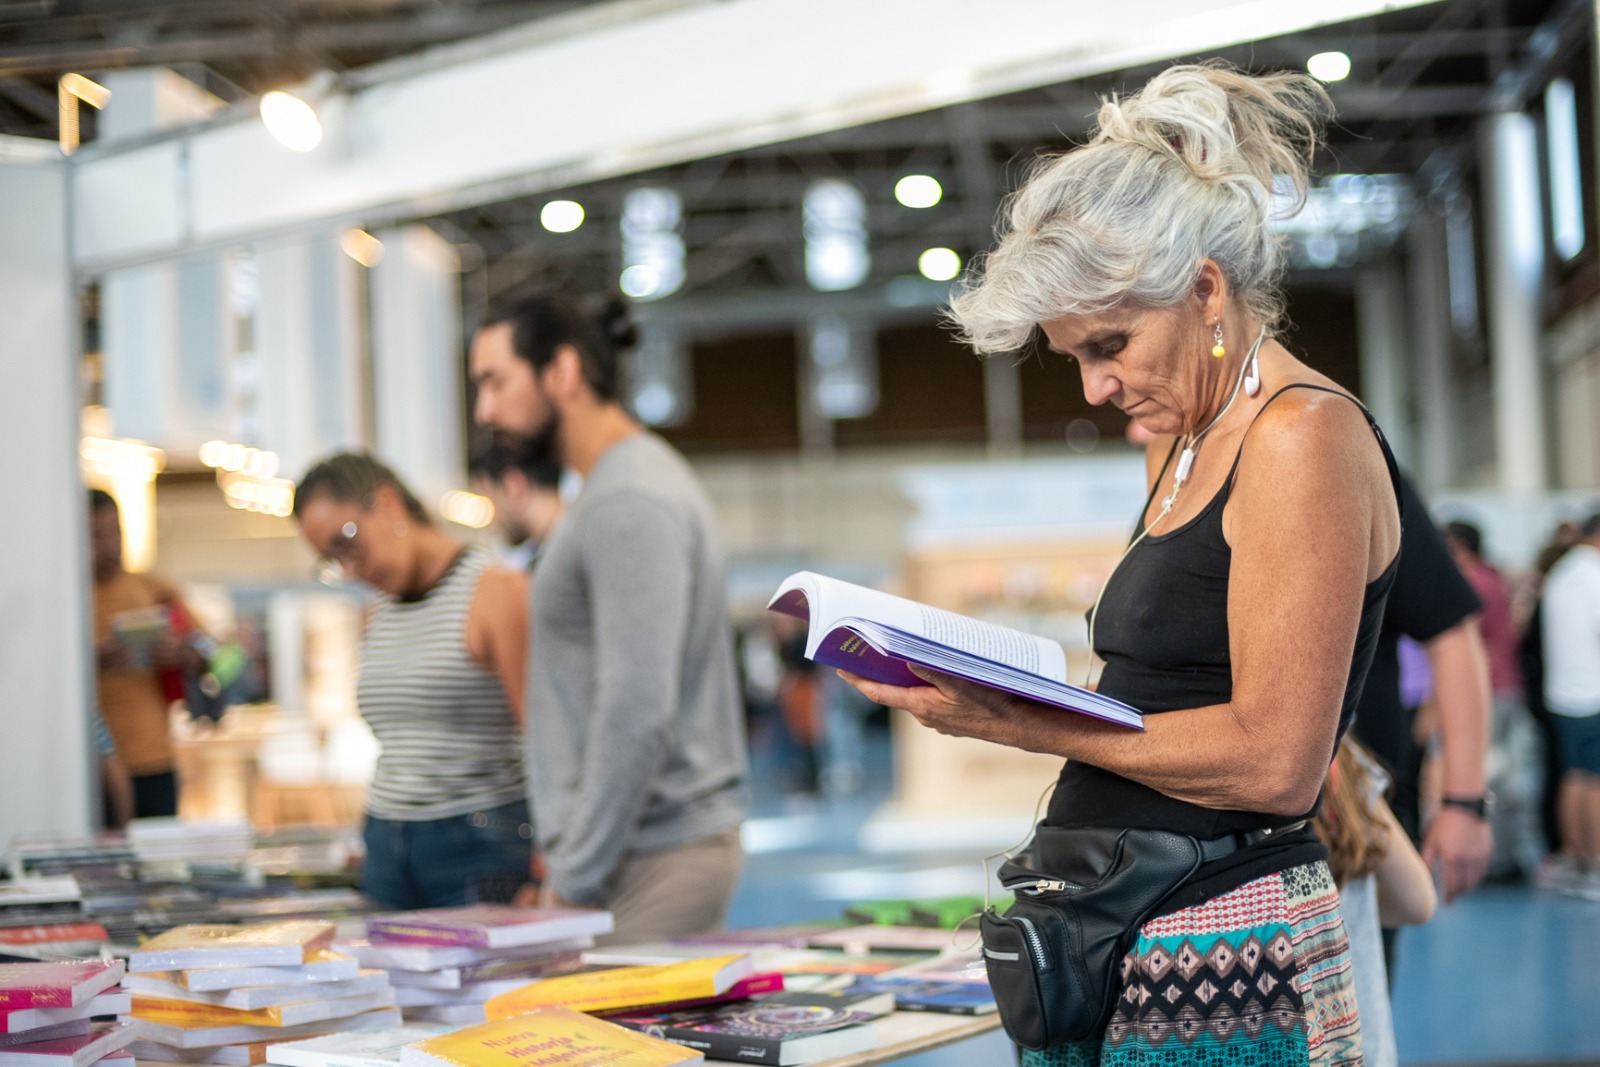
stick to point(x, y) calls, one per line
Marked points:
point(1257, 977)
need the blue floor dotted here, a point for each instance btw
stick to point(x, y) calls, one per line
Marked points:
point(1506, 976)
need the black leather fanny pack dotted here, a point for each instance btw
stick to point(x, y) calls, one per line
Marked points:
point(1053, 956)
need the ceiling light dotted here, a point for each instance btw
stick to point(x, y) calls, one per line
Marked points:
point(1329, 66)
point(467, 509)
point(918, 190)
point(939, 264)
point(70, 89)
point(639, 281)
point(291, 120)
point(362, 247)
point(561, 216)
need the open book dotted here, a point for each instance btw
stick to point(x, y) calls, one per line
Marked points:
point(877, 636)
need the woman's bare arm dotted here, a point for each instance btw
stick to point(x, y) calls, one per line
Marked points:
point(497, 631)
point(1311, 520)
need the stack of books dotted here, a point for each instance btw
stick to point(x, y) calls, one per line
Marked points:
point(171, 840)
point(720, 1006)
point(446, 963)
point(222, 993)
point(46, 1013)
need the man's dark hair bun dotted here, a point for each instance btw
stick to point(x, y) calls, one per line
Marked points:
point(617, 324)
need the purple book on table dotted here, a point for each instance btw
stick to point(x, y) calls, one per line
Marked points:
point(81, 1050)
point(487, 925)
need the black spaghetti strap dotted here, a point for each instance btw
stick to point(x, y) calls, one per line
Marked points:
point(1383, 442)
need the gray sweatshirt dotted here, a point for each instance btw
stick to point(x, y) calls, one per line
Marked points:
point(635, 735)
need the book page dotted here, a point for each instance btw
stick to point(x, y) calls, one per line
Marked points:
point(999, 643)
point(831, 601)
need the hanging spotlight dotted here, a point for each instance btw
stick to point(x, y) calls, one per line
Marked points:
point(561, 216)
point(939, 264)
point(362, 247)
point(918, 190)
point(291, 120)
point(1329, 66)
point(71, 89)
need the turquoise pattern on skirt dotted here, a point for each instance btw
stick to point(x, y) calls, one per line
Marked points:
point(1257, 977)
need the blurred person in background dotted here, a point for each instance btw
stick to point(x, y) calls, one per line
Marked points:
point(1530, 661)
point(525, 490)
point(1433, 604)
point(1513, 759)
point(636, 746)
point(1383, 883)
point(1571, 630)
point(440, 683)
point(139, 655)
point(116, 785)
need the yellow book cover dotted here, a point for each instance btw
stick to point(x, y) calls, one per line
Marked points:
point(626, 987)
point(190, 1014)
point(547, 1037)
point(256, 944)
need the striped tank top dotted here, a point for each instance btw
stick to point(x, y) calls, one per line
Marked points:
point(448, 742)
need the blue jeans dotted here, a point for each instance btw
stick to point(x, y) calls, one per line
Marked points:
point(441, 863)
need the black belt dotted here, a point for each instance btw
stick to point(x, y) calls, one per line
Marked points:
point(1218, 847)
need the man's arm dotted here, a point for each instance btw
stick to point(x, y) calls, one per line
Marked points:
point(637, 562)
point(1456, 839)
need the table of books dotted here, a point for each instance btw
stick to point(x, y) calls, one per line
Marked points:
point(478, 986)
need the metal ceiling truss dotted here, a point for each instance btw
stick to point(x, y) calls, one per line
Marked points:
point(1421, 79)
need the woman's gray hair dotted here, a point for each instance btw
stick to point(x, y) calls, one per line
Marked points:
point(1180, 172)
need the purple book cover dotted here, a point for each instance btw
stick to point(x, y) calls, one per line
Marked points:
point(485, 925)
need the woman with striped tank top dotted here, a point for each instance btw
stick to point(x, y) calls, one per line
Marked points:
point(440, 684)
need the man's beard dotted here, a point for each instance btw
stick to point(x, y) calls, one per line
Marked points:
point(543, 446)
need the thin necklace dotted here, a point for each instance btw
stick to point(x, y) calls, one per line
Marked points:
point(1191, 445)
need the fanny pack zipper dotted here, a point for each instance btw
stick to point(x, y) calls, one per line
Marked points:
point(1042, 885)
point(1035, 942)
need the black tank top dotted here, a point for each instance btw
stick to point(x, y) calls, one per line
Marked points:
point(1162, 630)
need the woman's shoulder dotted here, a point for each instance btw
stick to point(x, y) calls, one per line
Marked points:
point(1310, 421)
point(501, 589)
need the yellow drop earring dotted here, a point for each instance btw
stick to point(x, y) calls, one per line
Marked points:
point(1217, 348)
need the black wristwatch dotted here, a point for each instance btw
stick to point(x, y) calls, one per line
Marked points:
point(1481, 806)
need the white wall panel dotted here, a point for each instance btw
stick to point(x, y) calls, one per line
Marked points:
point(132, 201)
point(417, 361)
point(45, 763)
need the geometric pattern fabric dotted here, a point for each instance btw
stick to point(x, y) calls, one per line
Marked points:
point(1257, 977)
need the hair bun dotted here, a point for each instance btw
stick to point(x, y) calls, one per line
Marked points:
point(1224, 124)
point(616, 323)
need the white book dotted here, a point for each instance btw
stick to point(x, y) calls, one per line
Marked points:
point(475, 993)
point(881, 636)
point(112, 1003)
point(396, 956)
point(221, 1055)
point(59, 889)
point(368, 1048)
point(326, 967)
point(243, 1033)
point(79, 1051)
point(251, 998)
point(448, 1014)
point(288, 943)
